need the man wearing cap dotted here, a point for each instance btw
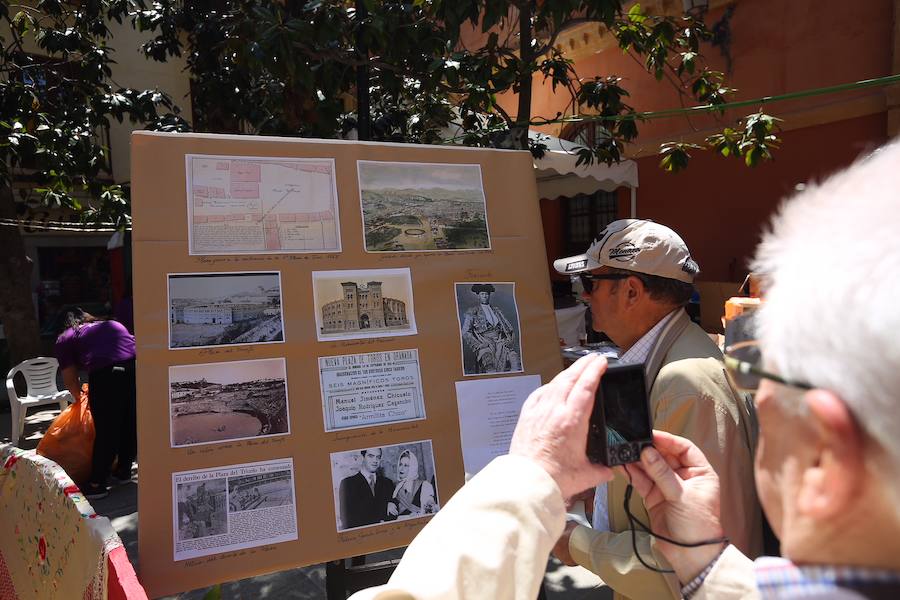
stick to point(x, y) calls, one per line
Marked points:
point(638, 277)
point(489, 335)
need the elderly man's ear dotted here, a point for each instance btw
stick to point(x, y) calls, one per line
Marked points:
point(834, 476)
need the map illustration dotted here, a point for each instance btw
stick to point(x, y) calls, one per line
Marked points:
point(242, 205)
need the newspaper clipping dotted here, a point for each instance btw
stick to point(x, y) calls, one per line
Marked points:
point(359, 390)
point(234, 507)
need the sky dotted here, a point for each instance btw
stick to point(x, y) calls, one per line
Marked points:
point(229, 372)
point(219, 286)
point(374, 175)
point(394, 285)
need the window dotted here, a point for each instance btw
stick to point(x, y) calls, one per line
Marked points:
point(586, 215)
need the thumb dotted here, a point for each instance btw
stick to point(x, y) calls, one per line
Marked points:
point(662, 475)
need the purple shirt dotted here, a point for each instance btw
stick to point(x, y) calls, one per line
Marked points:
point(93, 346)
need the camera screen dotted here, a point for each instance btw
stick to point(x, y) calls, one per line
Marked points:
point(626, 408)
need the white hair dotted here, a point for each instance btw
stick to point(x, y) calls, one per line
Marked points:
point(832, 312)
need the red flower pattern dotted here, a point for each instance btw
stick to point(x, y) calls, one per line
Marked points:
point(42, 549)
point(11, 461)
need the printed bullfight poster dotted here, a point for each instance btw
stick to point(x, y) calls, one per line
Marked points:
point(303, 311)
point(361, 390)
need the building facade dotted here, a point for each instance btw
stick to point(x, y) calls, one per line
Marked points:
point(363, 307)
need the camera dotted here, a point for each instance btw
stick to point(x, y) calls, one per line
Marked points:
point(621, 425)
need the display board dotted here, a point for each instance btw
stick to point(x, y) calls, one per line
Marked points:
point(303, 312)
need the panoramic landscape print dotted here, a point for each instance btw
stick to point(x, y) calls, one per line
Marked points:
point(415, 207)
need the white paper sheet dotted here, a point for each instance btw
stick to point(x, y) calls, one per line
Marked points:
point(488, 412)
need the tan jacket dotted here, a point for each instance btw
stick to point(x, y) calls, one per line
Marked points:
point(689, 396)
point(490, 541)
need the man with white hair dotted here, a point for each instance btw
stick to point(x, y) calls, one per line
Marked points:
point(827, 373)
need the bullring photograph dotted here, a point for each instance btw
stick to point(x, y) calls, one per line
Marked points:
point(221, 309)
point(365, 303)
point(419, 207)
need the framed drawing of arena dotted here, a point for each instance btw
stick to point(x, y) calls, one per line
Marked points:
point(365, 303)
point(221, 309)
point(489, 331)
point(218, 402)
point(419, 207)
point(383, 484)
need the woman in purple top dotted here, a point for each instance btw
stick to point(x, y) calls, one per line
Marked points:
point(105, 350)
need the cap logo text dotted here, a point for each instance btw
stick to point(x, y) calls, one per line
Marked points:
point(624, 252)
point(576, 265)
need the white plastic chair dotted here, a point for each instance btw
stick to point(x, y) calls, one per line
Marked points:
point(40, 377)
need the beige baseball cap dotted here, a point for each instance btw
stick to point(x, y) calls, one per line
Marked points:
point(636, 245)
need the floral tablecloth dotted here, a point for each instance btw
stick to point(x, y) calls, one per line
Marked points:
point(52, 543)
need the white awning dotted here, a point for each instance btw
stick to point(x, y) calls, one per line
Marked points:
point(557, 174)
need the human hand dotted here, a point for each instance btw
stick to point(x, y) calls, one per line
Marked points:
point(392, 509)
point(553, 426)
point(681, 494)
point(561, 547)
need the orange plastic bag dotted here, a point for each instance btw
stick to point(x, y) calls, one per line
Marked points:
point(69, 441)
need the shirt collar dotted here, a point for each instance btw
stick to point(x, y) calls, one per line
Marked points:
point(639, 352)
point(780, 578)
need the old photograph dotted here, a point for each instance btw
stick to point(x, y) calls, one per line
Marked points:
point(202, 509)
point(227, 401)
point(226, 508)
point(363, 304)
point(220, 309)
point(490, 336)
point(256, 492)
point(252, 205)
point(384, 484)
point(417, 207)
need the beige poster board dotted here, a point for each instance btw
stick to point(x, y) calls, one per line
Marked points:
point(285, 322)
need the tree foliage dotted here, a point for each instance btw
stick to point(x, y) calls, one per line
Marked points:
point(56, 97)
point(286, 67)
point(57, 94)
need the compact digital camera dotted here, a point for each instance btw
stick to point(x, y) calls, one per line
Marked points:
point(621, 425)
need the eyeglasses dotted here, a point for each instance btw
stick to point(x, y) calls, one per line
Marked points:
point(742, 363)
point(587, 279)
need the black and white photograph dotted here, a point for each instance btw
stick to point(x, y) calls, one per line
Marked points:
point(221, 309)
point(489, 331)
point(202, 509)
point(255, 492)
point(421, 207)
point(228, 401)
point(384, 484)
point(232, 507)
point(365, 303)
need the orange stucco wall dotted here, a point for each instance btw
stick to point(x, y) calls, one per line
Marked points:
point(718, 205)
point(777, 47)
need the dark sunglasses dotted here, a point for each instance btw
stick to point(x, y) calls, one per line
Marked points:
point(587, 279)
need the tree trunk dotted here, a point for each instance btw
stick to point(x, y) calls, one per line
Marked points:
point(526, 54)
point(16, 305)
